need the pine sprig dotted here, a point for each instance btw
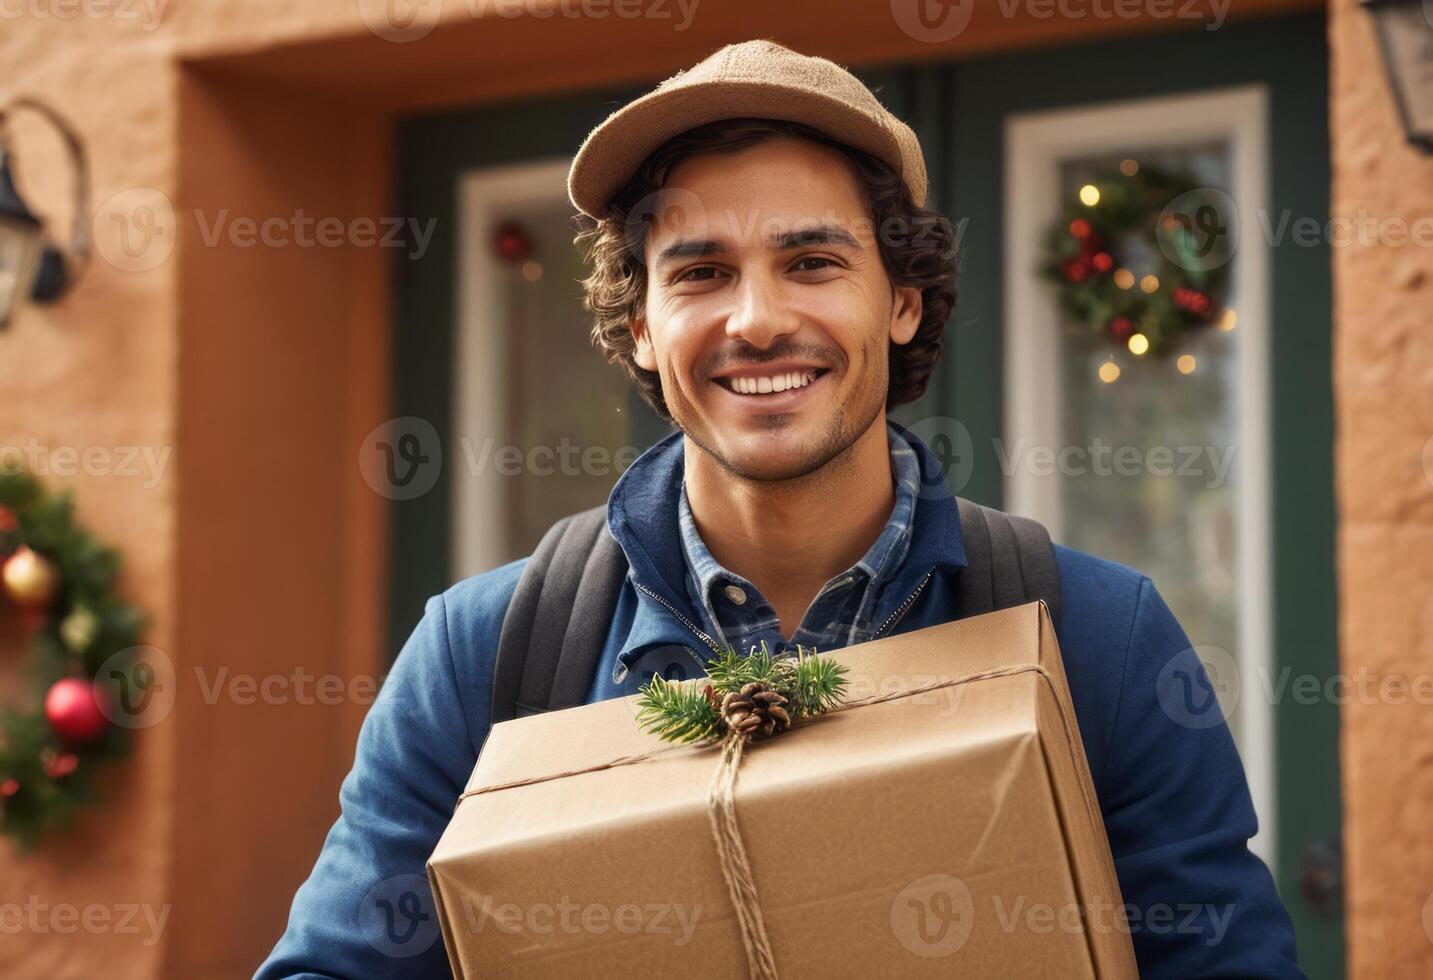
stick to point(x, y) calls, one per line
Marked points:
point(683, 711)
point(676, 711)
point(731, 671)
point(819, 685)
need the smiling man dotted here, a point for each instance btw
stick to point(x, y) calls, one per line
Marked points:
point(768, 318)
point(765, 268)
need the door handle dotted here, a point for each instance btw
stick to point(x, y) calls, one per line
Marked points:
point(1321, 877)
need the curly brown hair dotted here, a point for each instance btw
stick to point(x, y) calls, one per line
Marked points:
point(918, 248)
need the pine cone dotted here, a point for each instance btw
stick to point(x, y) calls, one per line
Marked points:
point(756, 711)
point(710, 694)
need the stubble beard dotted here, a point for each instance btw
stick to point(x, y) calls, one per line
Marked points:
point(812, 465)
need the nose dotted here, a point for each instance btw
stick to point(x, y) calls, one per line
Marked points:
point(763, 311)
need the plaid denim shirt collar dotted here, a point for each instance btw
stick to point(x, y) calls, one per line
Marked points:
point(842, 611)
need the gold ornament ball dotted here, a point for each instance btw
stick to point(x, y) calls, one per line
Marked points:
point(78, 629)
point(31, 580)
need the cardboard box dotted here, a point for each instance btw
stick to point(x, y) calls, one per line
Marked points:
point(951, 832)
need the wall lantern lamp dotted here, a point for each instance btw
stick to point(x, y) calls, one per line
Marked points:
point(1405, 33)
point(33, 268)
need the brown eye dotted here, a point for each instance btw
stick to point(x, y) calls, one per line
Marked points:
point(801, 266)
point(695, 274)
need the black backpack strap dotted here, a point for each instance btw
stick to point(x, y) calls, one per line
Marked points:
point(553, 632)
point(556, 624)
point(1009, 561)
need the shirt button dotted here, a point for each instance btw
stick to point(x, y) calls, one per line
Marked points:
point(736, 594)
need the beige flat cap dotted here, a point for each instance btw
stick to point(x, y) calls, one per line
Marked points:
point(760, 79)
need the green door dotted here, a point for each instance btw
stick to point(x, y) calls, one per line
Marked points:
point(434, 153)
point(1288, 58)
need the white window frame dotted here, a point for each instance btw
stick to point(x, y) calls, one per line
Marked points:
point(1036, 144)
point(480, 388)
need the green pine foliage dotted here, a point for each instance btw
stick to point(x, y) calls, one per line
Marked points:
point(818, 686)
point(676, 711)
point(28, 746)
point(731, 671)
point(679, 711)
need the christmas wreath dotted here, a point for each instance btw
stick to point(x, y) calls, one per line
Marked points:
point(61, 582)
point(1139, 257)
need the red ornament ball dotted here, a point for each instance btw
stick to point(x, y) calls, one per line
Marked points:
point(8, 521)
point(1080, 228)
point(72, 707)
point(1103, 261)
point(512, 243)
point(1076, 270)
point(1121, 327)
point(59, 765)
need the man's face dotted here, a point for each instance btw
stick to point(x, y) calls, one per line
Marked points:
point(768, 312)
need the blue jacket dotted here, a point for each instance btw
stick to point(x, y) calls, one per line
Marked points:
point(1171, 787)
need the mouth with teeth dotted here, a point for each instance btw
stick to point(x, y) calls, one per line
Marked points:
point(758, 385)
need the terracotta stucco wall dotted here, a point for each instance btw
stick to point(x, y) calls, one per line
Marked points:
point(249, 548)
point(1383, 376)
point(98, 371)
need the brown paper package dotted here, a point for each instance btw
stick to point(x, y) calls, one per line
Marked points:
point(953, 832)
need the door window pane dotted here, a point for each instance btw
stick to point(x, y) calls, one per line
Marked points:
point(1156, 484)
point(555, 427)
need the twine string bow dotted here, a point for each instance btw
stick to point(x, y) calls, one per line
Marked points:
point(735, 865)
